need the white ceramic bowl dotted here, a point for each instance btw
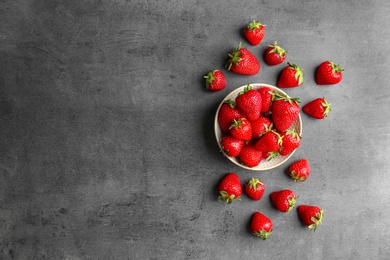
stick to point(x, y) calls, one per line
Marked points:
point(264, 164)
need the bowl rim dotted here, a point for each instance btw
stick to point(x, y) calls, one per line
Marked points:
point(218, 132)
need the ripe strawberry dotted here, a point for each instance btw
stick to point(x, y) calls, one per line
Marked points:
point(266, 99)
point(284, 111)
point(254, 32)
point(290, 77)
point(241, 129)
point(227, 113)
point(255, 189)
point(299, 170)
point(283, 200)
point(317, 108)
point(274, 54)
point(248, 102)
point(243, 62)
point(311, 216)
point(230, 188)
point(231, 146)
point(261, 226)
point(260, 127)
point(291, 140)
point(269, 143)
point(250, 156)
point(215, 80)
point(329, 73)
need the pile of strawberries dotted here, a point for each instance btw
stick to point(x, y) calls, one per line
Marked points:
point(257, 125)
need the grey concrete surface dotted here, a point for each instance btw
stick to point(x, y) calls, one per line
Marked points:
point(107, 148)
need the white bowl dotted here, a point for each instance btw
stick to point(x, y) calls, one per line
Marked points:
point(264, 164)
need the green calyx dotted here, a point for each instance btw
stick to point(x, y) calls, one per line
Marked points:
point(326, 106)
point(278, 96)
point(254, 25)
point(291, 203)
point(234, 57)
point(292, 132)
point(246, 89)
point(209, 78)
point(262, 234)
point(296, 176)
point(237, 123)
point(336, 68)
point(228, 199)
point(230, 102)
point(254, 182)
point(298, 73)
point(317, 220)
point(277, 49)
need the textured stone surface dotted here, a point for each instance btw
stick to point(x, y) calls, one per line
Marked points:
point(107, 148)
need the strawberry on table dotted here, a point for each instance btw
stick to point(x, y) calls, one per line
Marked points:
point(284, 111)
point(261, 226)
point(241, 129)
point(266, 99)
point(317, 108)
point(274, 54)
point(254, 32)
point(291, 140)
point(290, 77)
point(215, 80)
point(249, 102)
point(310, 215)
point(329, 73)
point(227, 113)
point(299, 170)
point(255, 189)
point(242, 61)
point(260, 126)
point(230, 188)
point(250, 156)
point(231, 146)
point(283, 200)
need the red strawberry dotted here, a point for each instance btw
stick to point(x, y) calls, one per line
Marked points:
point(241, 129)
point(266, 99)
point(269, 143)
point(231, 146)
point(248, 102)
point(317, 108)
point(290, 77)
point(230, 188)
point(291, 140)
point(260, 127)
point(329, 73)
point(250, 156)
point(274, 54)
point(215, 80)
point(311, 216)
point(283, 200)
point(284, 111)
point(261, 226)
point(243, 62)
point(255, 189)
point(254, 32)
point(299, 170)
point(227, 113)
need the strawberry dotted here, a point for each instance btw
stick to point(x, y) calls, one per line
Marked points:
point(266, 99)
point(255, 189)
point(250, 156)
point(311, 216)
point(283, 200)
point(254, 32)
point(248, 102)
point(241, 129)
point(260, 127)
point(215, 80)
point(274, 54)
point(231, 146)
point(290, 77)
point(227, 113)
point(317, 108)
point(284, 111)
point(329, 73)
point(291, 140)
point(269, 143)
point(299, 170)
point(242, 61)
point(230, 188)
point(261, 226)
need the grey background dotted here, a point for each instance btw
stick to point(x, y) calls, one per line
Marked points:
point(107, 148)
